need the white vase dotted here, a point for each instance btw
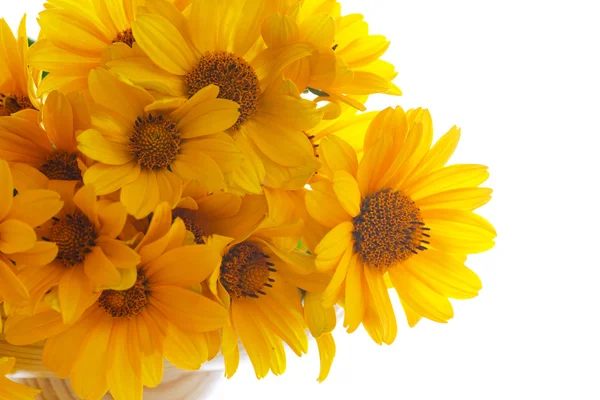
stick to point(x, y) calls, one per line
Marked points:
point(176, 384)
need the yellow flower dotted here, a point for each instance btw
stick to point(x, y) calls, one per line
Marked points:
point(46, 152)
point(90, 257)
point(120, 341)
point(148, 151)
point(258, 282)
point(16, 83)
point(76, 37)
point(219, 43)
point(12, 390)
point(399, 215)
point(345, 61)
point(19, 215)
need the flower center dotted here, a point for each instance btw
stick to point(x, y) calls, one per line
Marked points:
point(236, 79)
point(75, 236)
point(10, 104)
point(61, 165)
point(191, 225)
point(126, 303)
point(389, 229)
point(154, 142)
point(126, 37)
point(245, 271)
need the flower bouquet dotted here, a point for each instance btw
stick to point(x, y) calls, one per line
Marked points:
point(184, 179)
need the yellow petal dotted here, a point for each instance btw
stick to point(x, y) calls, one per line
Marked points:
point(42, 253)
point(180, 307)
point(320, 320)
point(16, 236)
point(112, 219)
point(333, 291)
point(35, 207)
point(163, 43)
point(338, 155)
point(353, 299)
point(420, 297)
point(448, 178)
point(331, 248)
point(347, 191)
point(101, 271)
point(279, 30)
point(184, 266)
point(463, 199)
point(381, 303)
point(75, 294)
point(108, 178)
point(322, 205)
point(100, 148)
point(141, 196)
point(326, 346)
point(6, 189)
point(438, 156)
point(11, 287)
point(57, 117)
point(119, 96)
point(444, 274)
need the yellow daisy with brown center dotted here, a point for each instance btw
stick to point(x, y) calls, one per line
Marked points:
point(219, 43)
point(90, 257)
point(121, 340)
point(399, 216)
point(46, 150)
point(148, 149)
point(77, 36)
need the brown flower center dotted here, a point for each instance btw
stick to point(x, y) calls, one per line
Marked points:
point(389, 229)
point(187, 216)
point(126, 37)
point(155, 142)
point(10, 104)
point(61, 165)
point(75, 236)
point(236, 79)
point(126, 303)
point(245, 271)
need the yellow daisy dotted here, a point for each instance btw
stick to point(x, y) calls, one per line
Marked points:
point(76, 37)
point(345, 60)
point(120, 341)
point(148, 151)
point(258, 283)
point(46, 152)
point(16, 84)
point(90, 256)
point(19, 215)
point(10, 390)
point(403, 214)
point(219, 43)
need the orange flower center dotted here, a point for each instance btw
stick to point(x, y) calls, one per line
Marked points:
point(245, 271)
point(61, 165)
point(126, 37)
point(187, 216)
point(10, 104)
point(236, 79)
point(389, 229)
point(126, 303)
point(75, 236)
point(155, 142)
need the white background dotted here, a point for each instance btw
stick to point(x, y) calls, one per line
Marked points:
point(522, 80)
